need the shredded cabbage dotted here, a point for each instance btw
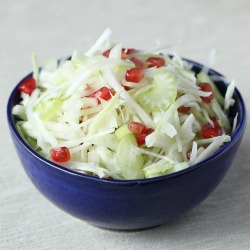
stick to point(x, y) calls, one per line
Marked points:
point(67, 109)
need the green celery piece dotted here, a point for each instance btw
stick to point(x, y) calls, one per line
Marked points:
point(122, 131)
point(198, 116)
point(97, 123)
point(48, 109)
point(158, 170)
point(129, 160)
point(161, 93)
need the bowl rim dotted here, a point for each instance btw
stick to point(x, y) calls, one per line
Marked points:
point(234, 138)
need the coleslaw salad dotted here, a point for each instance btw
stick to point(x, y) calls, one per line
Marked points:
point(123, 113)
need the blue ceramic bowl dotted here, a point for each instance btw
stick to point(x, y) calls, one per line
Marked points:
point(129, 204)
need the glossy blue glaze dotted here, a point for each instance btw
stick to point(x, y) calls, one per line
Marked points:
point(135, 204)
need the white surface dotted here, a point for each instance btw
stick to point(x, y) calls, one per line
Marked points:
point(53, 29)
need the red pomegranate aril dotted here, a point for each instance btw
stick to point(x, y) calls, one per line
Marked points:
point(125, 52)
point(206, 87)
point(106, 53)
point(216, 123)
point(27, 86)
point(183, 109)
point(140, 131)
point(137, 62)
point(137, 128)
point(127, 88)
point(208, 131)
point(129, 51)
point(155, 62)
point(60, 154)
point(188, 154)
point(142, 137)
point(149, 131)
point(102, 93)
point(134, 75)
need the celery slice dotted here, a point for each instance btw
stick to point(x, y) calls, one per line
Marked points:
point(122, 131)
point(157, 170)
point(129, 160)
point(48, 108)
point(161, 93)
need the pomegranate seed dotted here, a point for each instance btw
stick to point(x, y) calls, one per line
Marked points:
point(27, 86)
point(209, 131)
point(60, 154)
point(129, 51)
point(188, 154)
point(134, 75)
point(183, 109)
point(142, 137)
point(137, 62)
point(102, 93)
point(106, 53)
point(149, 131)
point(137, 128)
point(155, 62)
point(140, 131)
point(126, 87)
point(216, 123)
point(125, 52)
point(204, 86)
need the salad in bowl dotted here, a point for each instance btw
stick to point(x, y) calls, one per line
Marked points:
point(122, 113)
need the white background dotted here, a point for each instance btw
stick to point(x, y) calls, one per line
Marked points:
point(54, 28)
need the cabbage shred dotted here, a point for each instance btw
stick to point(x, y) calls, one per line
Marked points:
point(61, 112)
